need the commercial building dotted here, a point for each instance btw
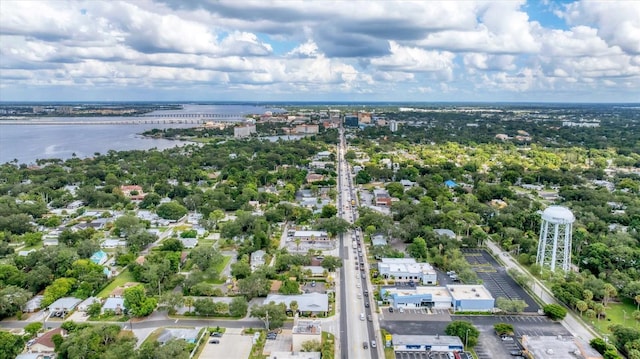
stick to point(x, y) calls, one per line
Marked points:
point(407, 270)
point(417, 343)
point(351, 121)
point(305, 330)
point(307, 236)
point(460, 298)
point(416, 297)
point(306, 129)
point(393, 126)
point(310, 303)
point(559, 347)
point(381, 198)
point(474, 298)
point(245, 130)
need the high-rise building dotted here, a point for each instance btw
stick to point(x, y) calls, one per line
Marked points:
point(554, 247)
point(393, 126)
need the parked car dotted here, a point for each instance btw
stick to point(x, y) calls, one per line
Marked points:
point(365, 345)
point(369, 318)
point(214, 341)
point(390, 309)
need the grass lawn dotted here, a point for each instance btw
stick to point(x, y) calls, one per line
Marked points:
point(615, 315)
point(121, 279)
point(220, 267)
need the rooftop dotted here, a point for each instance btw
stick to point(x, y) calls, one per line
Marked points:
point(189, 335)
point(294, 355)
point(307, 327)
point(464, 291)
point(65, 303)
point(559, 347)
point(308, 302)
point(436, 292)
point(426, 339)
point(45, 339)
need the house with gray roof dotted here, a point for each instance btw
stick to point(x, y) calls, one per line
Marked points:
point(445, 233)
point(378, 239)
point(33, 304)
point(188, 335)
point(314, 303)
point(257, 259)
point(189, 242)
point(64, 305)
point(113, 304)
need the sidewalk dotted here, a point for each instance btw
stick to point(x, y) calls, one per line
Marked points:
point(573, 324)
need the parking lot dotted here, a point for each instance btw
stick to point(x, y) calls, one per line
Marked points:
point(282, 343)
point(496, 279)
point(441, 315)
point(232, 345)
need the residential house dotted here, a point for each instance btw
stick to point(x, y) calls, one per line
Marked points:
point(189, 242)
point(443, 232)
point(450, 183)
point(115, 305)
point(188, 335)
point(381, 198)
point(44, 343)
point(378, 239)
point(84, 305)
point(119, 291)
point(100, 257)
point(315, 271)
point(113, 243)
point(64, 305)
point(133, 192)
point(33, 304)
point(314, 177)
point(257, 259)
point(75, 205)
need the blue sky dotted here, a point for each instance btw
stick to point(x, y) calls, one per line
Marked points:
point(315, 50)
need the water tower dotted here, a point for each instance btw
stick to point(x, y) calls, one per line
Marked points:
point(554, 247)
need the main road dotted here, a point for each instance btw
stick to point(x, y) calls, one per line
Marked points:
point(357, 316)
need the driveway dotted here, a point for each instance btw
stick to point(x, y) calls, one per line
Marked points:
point(232, 345)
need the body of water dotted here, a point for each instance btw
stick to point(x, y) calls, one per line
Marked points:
point(27, 143)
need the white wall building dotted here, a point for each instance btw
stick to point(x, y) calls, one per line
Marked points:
point(407, 270)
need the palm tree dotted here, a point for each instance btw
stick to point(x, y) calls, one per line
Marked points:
point(581, 305)
point(188, 301)
point(294, 306)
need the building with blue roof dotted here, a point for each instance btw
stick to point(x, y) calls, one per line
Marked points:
point(100, 257)
point(450, 183)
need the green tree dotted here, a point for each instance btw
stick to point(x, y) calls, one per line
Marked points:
point(554, 311)
point(58, 289)
point(273, 315)
point(173, 349)
point(171, 301)
point(311, 346)
point(12, 300)
point(418, 249)
point(330, 263)
point(511, 305)
point(137, 302)
point(503, 328)
point(33, 328)
point(94, 309)
point(11, 345)
point(241, 269)
point(255, 285)
point(171, 210)
point(204, 307)
point(328, 211)
point(582, 306)
point(289, 287)
point(238, 307)
point(465, 331)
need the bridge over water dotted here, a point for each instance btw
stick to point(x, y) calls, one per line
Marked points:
point(139, 120)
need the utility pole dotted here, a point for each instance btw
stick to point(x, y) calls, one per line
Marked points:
point(466, 340)
point(267, 320)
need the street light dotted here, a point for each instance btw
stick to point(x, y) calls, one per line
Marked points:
point(466, 339)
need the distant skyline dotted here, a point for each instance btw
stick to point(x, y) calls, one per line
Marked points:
point(314, 50)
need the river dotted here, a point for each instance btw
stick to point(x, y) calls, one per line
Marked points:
point(27, 143)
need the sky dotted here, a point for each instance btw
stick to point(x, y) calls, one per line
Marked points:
point(320, 50)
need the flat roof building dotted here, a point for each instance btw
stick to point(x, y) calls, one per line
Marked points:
point(305, 330)
point(559, 347)
point(416, 343)
point(471, 298)
point(407, 270)
point(315, 303)
point(430, 297)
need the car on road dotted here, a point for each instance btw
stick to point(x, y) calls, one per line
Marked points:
point(401, 310)
point(515, 353)
point(215, 334)
point(363, 276)
point(365, 345)
point(390, 309)
point(369, 318)
point(366, 293)
point(272, 336)
point(366, 304)
point(373, 343)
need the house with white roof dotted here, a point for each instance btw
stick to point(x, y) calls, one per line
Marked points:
point(189, 242)
point(257, 259)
